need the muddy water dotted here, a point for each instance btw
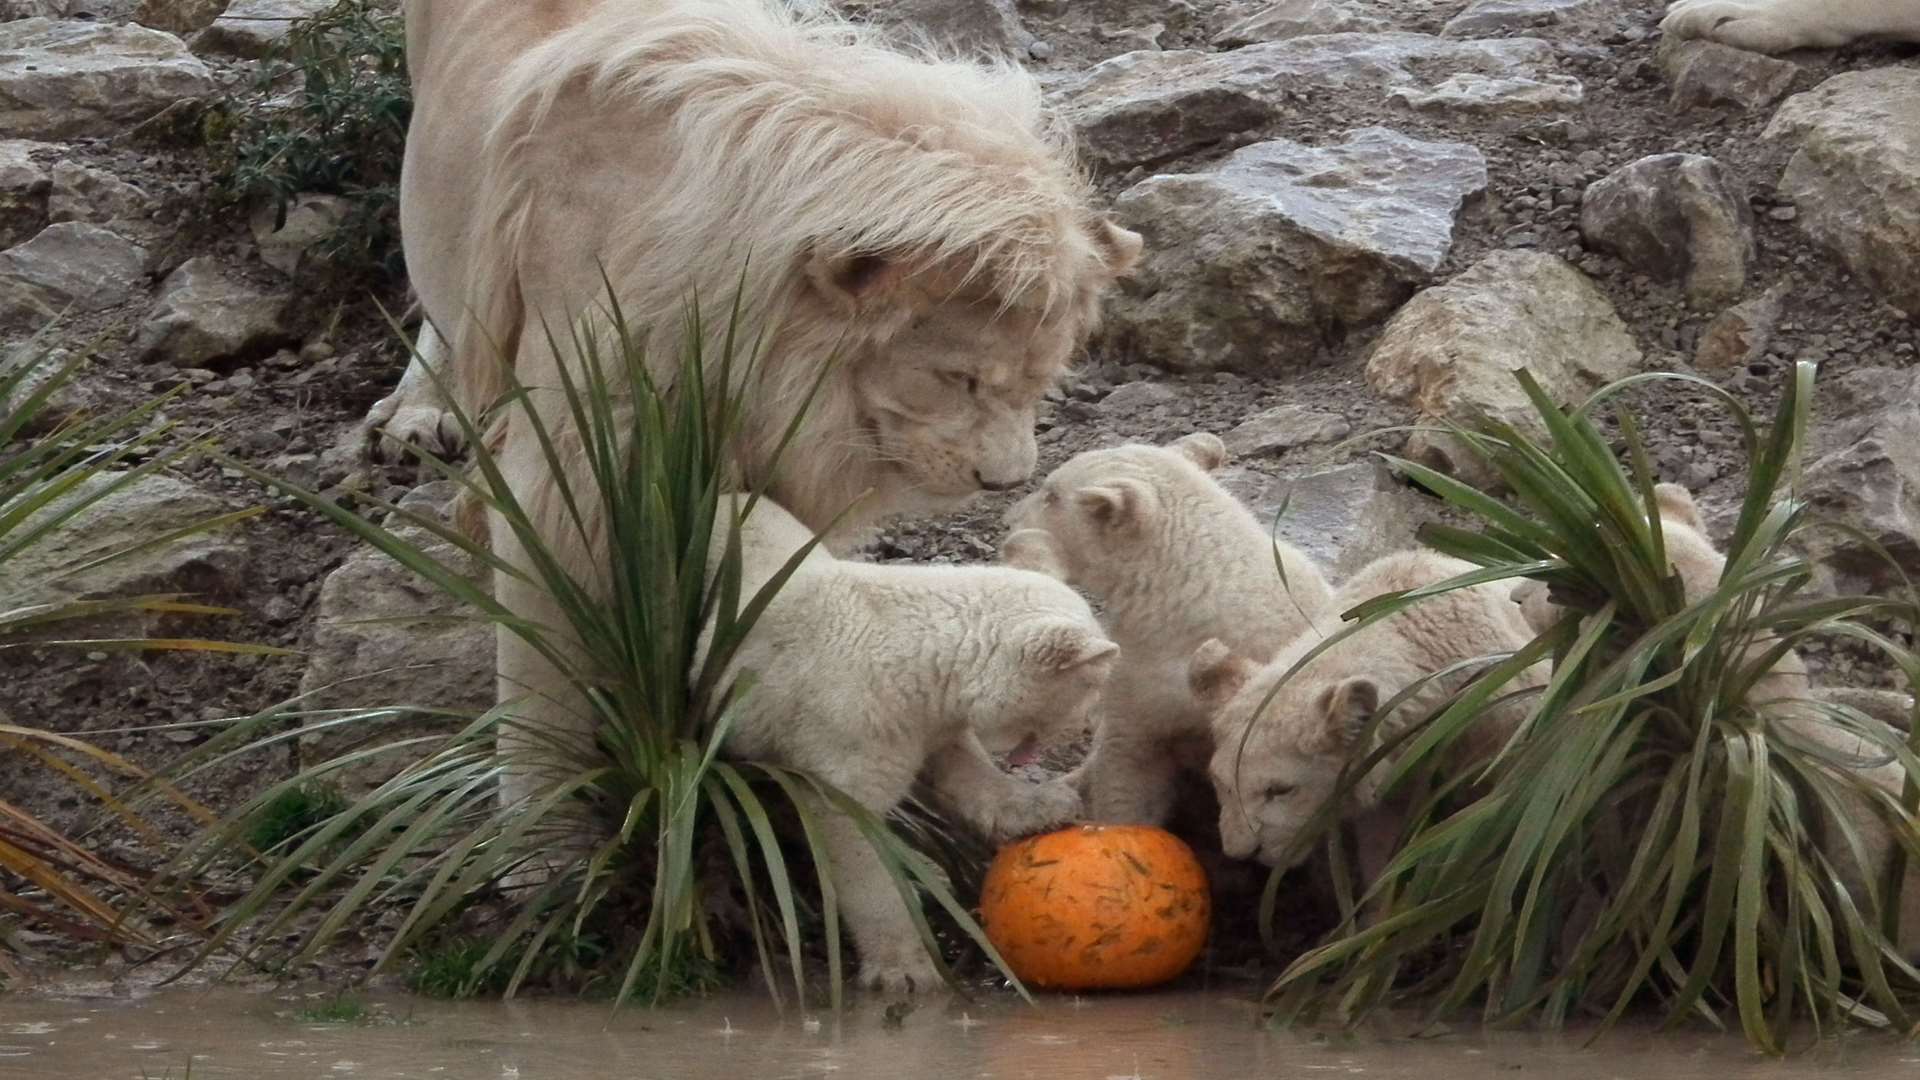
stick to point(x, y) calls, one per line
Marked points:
point(231, 1035)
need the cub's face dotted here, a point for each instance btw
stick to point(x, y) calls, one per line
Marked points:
point(1050, 669)
point(1276, 768)
point(1104, 504)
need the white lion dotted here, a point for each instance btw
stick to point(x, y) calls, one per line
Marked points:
point(1773, 26)
point(1275, 776)
point(1174, 560)
point(921, 221)
point(869, 674)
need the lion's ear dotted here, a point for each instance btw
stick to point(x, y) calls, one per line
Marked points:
point(1032, 549)
point(1203, 448)
point(1215, 674)
point(1676, 504)
point(853, 281)
point(1119, 248)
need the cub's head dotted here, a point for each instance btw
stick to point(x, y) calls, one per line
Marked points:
point(1105, 507)
point(1048, 668)
point(1274, 779)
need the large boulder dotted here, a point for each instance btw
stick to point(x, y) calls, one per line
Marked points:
point(1343, 518)
point(1146, 107)
point(384, 637)
point(1675, 216)
point(251, 28)
point(67, 266)
point(1872, 482)
point(1452, 350)
point(69, 79)
point(204, 317)
point(1254, 263)
point(1855, 174)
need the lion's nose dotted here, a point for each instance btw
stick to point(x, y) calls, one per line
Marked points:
point(997, 485)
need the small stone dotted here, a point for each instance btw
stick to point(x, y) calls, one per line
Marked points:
point(83, 194)
point(310, 219)
point(1784, 213)
point(1707, 73)
point(251, 28)
point(1297, 18)
point(967, 26)
point(315, 351)
point(1272, 431)
point(1134, 396)
point(1740, 335)
point(1489, 18)
point(204, 317)
point(178, 16)
point(71, 266)
point(1495, 96)
point(1675, 216)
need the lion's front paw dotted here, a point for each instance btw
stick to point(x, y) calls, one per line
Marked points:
point(1037, 808)
point(392, 425)
point(904, 970)
point(1766, 26)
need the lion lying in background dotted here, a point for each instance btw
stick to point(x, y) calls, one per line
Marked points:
point(1773, 26)
point(918, 220)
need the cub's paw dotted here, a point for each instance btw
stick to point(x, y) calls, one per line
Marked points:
point(901, 970)
point(1766, 26)
point(392, 425)
point(1036, 808)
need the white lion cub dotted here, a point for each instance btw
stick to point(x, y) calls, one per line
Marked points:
point(1174, 560)
point(868, 675)
point(1274, 779)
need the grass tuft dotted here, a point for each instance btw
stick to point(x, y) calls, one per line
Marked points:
point(293, 814)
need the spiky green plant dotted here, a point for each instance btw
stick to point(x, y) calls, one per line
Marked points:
point(1662, 831)
point(654, 788)
point(52, 472)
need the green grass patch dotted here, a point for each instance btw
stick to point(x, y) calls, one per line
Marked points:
point(293, 813)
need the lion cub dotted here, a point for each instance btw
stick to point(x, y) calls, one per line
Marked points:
point(867, 675)
point(1174, 559)
point(1274, 779)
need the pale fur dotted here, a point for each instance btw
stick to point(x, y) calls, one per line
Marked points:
point(1274, 777)
point(1174, 560)
point(921, 222)
point(869, 674)
point(1773, 26)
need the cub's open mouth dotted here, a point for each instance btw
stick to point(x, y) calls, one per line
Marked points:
point(1026, 753)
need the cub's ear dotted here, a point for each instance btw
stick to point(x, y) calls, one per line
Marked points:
point(1063, 646)
point(1032, 549)
point(1119, 248)
point(853, 281)
point(1346, 708)
point(1215, 674)
point(1676, 504)
point(1203, 448)
point(1116, 504)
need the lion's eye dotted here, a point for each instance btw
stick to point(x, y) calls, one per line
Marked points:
point(1279, 791)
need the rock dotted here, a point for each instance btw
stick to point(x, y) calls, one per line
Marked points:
point(1489, 18)
point(1494, 96)
point(1739, 335)
point(251, 28)
point(1705, 73)
point(1452, 350)
point(24, 185)
point(1137, 395)
point(179, 16)
point(79, 394)
point(204, 317)
point(97, 10)
point(385, 637)
point(970, 26)
point(1675, 216)
point(1872, 482)
point(207, 565)
point(90, 195)
point(1252, 263)
point(310, 219)
point(1855, 174)
point(1272, 431)
point(1298, 18)
point(1342, 518)
point(1891, 707)
point(75, 265)
point(1146, 107)
point(70, 79)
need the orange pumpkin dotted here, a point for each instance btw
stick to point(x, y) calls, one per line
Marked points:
point(1096, 907)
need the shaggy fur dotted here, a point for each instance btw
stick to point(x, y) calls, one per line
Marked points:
point(868, 674)
point(1773, 26)
point(1174, 560)
point(918, 222)
point(1273, 779)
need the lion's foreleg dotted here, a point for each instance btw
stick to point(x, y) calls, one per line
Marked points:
point(416, 413)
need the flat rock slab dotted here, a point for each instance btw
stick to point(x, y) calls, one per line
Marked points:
point(1283, 427)
point(68, 79)
point(1855, 174)
point(1707, 73)
point(1483, 18)
point(1494, 96)
point(204, 317)
point(251, 28)
point(1251, 264)
point(71, 265)
point(1452, 350)
point(1675, 217)
point(1145, 107)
